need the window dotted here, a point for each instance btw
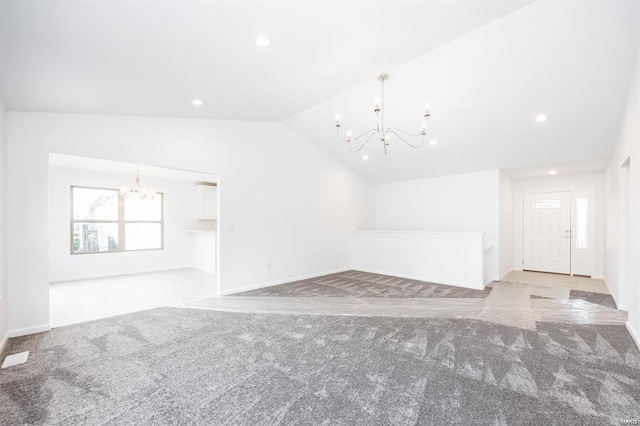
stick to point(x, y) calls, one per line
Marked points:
point(94, 220)
point(545, 204)
point(102, 221)
point(582, 222)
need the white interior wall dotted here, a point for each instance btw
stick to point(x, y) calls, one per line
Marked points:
point(424, 256)
point(3, 281)
point(506, 225)
point(460, 203)
point(180, 214)
point(558, 183)
point(623, 213)
point(286, 208)
point(204, 249)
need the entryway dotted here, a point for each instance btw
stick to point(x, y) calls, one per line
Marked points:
point(558, 232)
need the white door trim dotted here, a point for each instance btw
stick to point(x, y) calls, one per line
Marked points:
point(592, 237)
point(564, 250)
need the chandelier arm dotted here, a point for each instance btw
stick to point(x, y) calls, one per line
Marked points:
point(339, 136)
point(364, 143)
point(415, 135)
point(363, 135)
point(403, 140)
point(353, 139)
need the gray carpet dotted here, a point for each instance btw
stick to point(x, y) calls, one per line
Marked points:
point(364, 285)
point(596, 298)
point(185, 366)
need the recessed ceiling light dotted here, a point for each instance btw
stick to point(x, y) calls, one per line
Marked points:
point(197, 102)
point(433, 142)
point(552, 172)
point(541, 117)
point(262, 41)
point(365, 157)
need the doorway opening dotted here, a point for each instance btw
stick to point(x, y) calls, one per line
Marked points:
point(126, 237)
point(558, 232)
point(625, 263)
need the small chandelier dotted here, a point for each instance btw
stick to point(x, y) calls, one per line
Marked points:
point(144, 193)
point(384, 133)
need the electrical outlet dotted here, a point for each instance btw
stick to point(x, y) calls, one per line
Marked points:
point(231, 228)
point(268, 266)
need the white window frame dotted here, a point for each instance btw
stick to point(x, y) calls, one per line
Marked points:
point(121, 222)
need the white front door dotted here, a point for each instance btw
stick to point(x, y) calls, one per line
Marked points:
point(547, 232)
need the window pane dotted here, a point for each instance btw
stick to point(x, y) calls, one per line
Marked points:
point(143, 236)
point(546, 204)
point(95, 204)
point(137, 209)
point(95, 237)
point(582, 222)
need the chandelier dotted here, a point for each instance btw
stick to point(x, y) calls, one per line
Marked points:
point(384, 133)
point(143, 192)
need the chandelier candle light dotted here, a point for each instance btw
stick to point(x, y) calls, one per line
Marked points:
point(144, 193)
point(384, 133)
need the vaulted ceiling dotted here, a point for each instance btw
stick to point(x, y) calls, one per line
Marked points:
point(153, 57)
point(487, 68)
point(572, 61)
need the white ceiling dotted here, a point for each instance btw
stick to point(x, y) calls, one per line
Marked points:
point(486, 68)
point(570, 60)
point(72, 162)
point(562, 169)
point(153, 57)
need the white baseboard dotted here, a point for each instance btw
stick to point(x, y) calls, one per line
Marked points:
point(634, 334)
point(413, 277)
point(4, 341)
point(283, 281)
point(29, 330)
point(613, 296)
point(335, 271)
point(597, 277)
point(502, 276)
point(516, 269)
point(114, 274)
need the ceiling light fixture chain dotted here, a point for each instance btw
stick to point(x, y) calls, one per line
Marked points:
point(380, 130)
point(143, 192)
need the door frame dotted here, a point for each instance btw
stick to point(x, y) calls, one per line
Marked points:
point(522, 240)
point(591, 231)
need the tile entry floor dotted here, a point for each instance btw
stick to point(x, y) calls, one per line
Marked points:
point(520, 300)
point(510, 303)
point(544, 279)
point(78, 301)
